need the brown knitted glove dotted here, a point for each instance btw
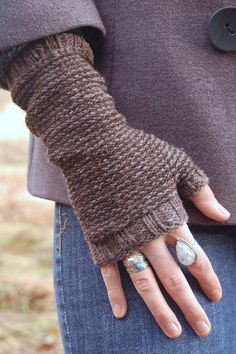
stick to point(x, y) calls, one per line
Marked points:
point(121, 181)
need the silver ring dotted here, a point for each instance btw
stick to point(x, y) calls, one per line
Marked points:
point(135, 263)
point(186, 253)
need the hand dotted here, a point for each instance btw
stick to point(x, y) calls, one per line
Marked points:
point(171, 276)
point(125, 185)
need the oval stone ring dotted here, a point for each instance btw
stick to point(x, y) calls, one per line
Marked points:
point(186, 253)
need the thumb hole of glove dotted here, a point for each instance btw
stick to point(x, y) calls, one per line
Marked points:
point(191, 179)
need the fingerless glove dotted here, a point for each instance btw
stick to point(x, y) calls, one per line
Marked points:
point(125, 185)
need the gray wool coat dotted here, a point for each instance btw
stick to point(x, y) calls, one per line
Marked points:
point(164, 73)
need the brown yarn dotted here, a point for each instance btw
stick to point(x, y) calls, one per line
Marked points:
point(125, 185)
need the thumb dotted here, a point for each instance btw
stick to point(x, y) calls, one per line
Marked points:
point(191, 178)
point(207, 203)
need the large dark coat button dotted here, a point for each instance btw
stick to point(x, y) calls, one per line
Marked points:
point(222, 29)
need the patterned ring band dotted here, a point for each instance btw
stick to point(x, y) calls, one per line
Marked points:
point(135, 263)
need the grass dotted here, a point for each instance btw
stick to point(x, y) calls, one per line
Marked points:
point(28, 322)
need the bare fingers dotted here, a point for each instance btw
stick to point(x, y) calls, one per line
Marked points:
point(111, 277)
point(147, 287)
point(176, 283)
point(201, 269)
point(173, 280)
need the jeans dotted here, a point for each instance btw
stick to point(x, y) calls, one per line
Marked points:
point(87, 323)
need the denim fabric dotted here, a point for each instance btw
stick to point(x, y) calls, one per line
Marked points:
point(86, 320)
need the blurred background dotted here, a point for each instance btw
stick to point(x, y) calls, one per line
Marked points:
point(28, 321)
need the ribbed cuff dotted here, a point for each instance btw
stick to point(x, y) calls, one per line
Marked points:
point(158, 221)
point(41, 52)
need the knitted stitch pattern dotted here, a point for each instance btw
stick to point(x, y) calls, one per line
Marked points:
point(125, 185)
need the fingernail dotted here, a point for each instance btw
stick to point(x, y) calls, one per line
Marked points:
point(216, 295)
point(117, 309)
point(172, 329)
point(223, 210)
point(202, 328)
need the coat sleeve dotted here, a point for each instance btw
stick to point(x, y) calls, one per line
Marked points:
point(27, 20)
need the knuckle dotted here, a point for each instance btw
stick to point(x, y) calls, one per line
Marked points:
point(107, 273)
point(112, 291)
point(161, 317)
point(143, 284)
point(174, 282)
point(192, 311)
point(201, 265)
